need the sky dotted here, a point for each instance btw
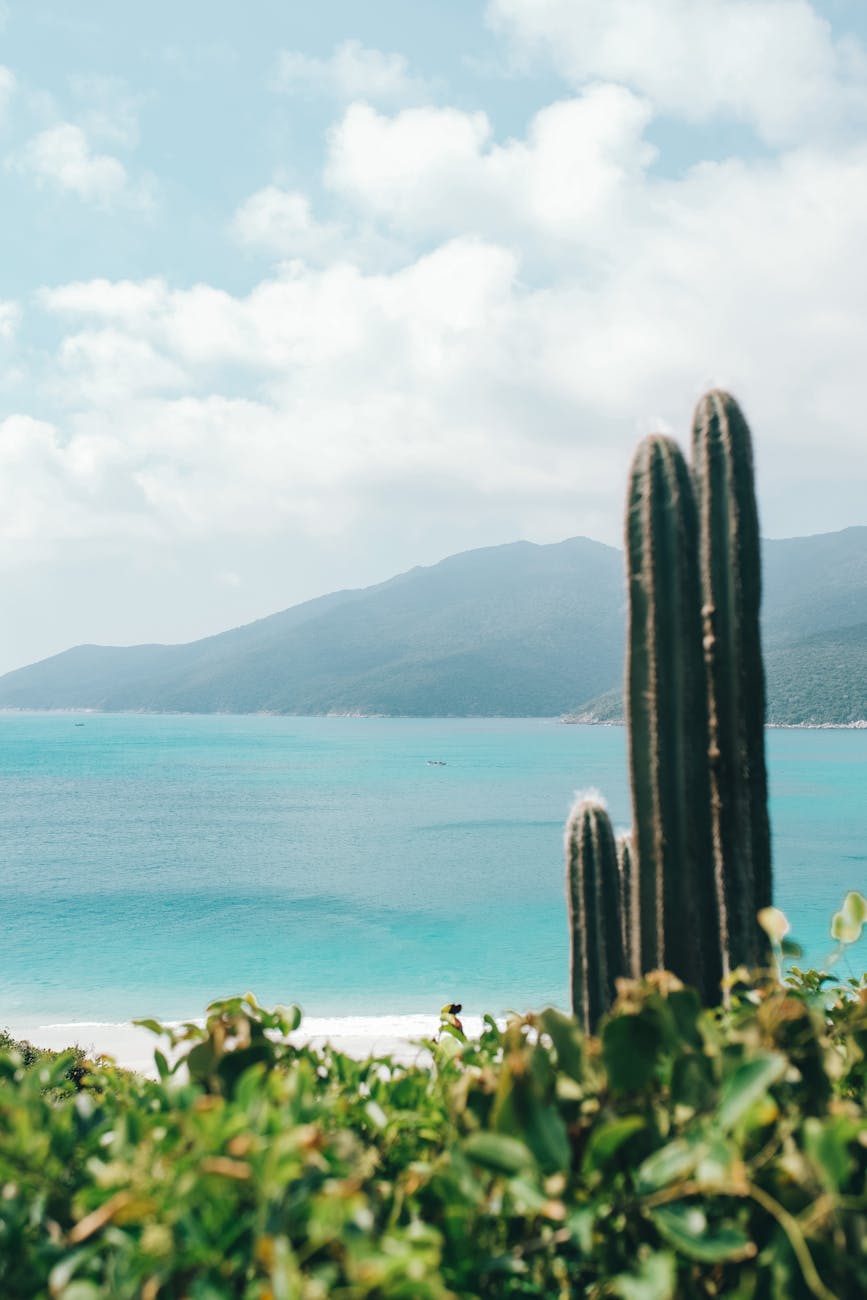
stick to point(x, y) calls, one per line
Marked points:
point(294, 297)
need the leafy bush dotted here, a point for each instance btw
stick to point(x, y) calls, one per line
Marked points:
point(683, 1152)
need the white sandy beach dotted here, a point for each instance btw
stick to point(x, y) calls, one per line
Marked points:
point(133, 1047)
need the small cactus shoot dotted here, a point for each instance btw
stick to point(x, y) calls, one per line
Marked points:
point(595, 914)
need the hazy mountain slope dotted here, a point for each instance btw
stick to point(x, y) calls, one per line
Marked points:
point(813, 584)
point(102, 674)
point(510, 629)
point(518, 629)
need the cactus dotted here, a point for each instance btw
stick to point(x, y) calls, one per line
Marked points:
point(730, 565)
point(697, 868)
point(595, 913)
point(674, 910)
point(624, 871)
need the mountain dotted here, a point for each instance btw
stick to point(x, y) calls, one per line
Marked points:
point(517, 630)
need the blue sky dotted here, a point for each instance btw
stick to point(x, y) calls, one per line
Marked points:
point(294, 297)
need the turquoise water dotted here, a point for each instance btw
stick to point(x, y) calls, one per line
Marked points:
point(150, 864)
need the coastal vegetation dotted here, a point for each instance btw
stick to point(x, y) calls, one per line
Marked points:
point(684, 1152)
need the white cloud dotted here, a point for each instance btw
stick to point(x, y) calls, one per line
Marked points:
point(10, 315)
point(457, 399)
point(281, 221)
point(7, 89)
point(126, 301)
point(54, 490)
point(771, 63)
point(108, 366)
point(62, 156)
point(353, 71)
point(438, 171)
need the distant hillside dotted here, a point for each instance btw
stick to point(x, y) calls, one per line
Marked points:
point(814, 584)
point(518, 630)
point(509, 630)
point(820, 679)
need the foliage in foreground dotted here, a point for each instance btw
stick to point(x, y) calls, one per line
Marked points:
point(683, 1152)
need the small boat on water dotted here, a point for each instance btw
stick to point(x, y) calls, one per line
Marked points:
point(436, 762)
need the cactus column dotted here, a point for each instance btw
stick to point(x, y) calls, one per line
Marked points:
point(674, 911)
point(730, 563)
point(595, 919)
point(625, 872)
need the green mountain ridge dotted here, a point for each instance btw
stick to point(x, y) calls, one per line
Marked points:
point(515, 630)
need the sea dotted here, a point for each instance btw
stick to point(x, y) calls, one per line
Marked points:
point(361, 867)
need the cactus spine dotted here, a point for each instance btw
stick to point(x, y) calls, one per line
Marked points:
point(595, 913)
point(730, 563)
point(674, 911)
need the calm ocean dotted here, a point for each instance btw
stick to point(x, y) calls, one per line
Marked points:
point(150, 864)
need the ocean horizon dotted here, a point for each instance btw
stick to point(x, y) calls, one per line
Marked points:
point(368, 869)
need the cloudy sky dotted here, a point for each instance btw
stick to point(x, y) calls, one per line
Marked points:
point(294, 296)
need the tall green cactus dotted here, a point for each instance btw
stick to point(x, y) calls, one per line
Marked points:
point(730, 564)
point(595, 914)
point(674, 913)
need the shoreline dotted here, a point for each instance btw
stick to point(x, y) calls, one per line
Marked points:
point(132, 1047)
point(859, 724)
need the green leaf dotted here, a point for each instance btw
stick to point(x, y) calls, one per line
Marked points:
point(567, 1039)
point(153, 1025)
point(692, 1081)
point(774, 923)
point(847, 924)
point(676, 1160)
point(448, 1046)
point(496, 1151)
point(685, 1006)
point(291, 1017)
point(685, 1227)
point(607, 1140)
point(630, 1047)
point(81, 1291)
point(656, 1279)
point(749, 1082)
point(201, 1060)
point(827, 1143)
point(545, 1133)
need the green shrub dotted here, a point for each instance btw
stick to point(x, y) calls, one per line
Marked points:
point(683, 1152)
